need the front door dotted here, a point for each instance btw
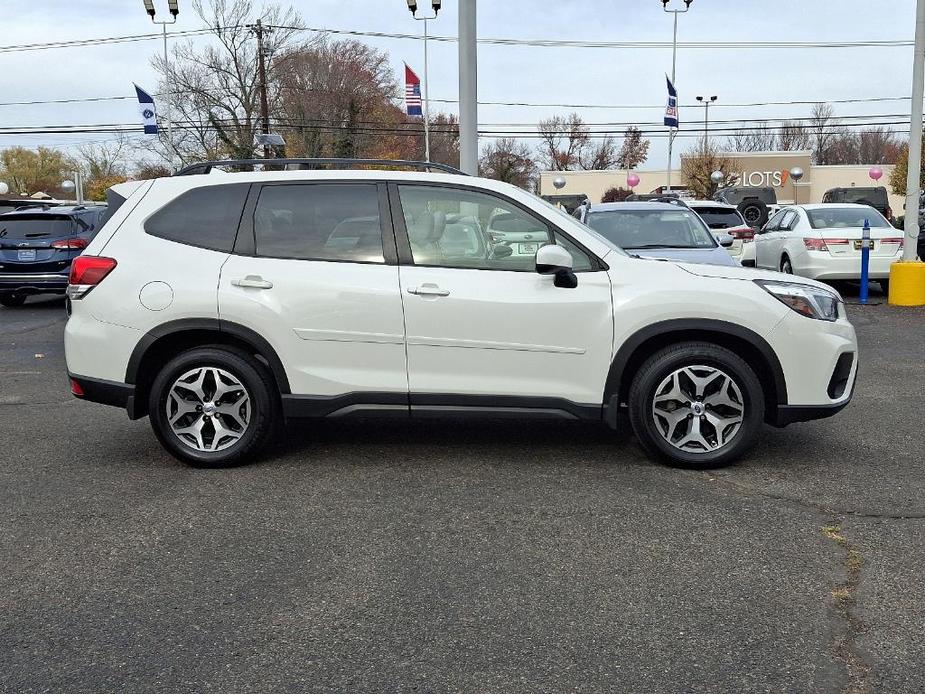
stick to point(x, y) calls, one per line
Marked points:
point(480, 321)
point(320, 283)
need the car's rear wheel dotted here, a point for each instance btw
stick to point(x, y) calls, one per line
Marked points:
point(696, 405)
point(12, 300)
point(884, 287)
point(213, 407)
point(786, 266)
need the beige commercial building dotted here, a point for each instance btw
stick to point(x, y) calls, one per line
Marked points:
point(754, 168)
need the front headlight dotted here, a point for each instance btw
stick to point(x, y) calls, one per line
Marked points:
point(806, 300)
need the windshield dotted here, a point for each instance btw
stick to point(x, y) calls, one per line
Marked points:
point(845, 218)
point(23, 227)
point(635, 229)
point(571, 222)
point(720, 217)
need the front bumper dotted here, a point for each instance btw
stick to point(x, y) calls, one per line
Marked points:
point(820, 364)
point(33, 283)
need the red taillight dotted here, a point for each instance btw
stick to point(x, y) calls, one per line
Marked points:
point(76, 389)
point(71, 244)
point(814, 244)
point(742, 233)
point(87, 271)
point(893, 240)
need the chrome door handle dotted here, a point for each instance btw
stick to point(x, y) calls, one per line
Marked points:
point(252, 282)
point(428, 290)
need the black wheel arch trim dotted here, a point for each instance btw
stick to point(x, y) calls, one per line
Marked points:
point(615, 381)
point(256, 341)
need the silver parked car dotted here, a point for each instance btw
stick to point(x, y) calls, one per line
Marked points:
point(658, 229)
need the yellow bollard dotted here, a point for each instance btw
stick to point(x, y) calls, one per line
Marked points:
point(907, 283)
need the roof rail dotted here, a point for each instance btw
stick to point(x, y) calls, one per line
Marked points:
point(654, 197)
point(207, 166)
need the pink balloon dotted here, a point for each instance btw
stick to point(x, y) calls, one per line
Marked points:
point(876, 173)
point(632, 180)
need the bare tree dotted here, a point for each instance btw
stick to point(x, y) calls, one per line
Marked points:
point(215, 100)
point(562, 139)
point(598, 154)
point(793, 136)
point(698, 165)
point(99, 160)
point(826, 131)
point(508, 160)
point(760, 138)
point(878, 146)
point(634, 150)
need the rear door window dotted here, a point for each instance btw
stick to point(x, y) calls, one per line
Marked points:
point(319, 221)
point(720, 217)
point(206, 217)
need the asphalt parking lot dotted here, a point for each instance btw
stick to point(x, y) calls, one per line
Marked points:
point(460, 557)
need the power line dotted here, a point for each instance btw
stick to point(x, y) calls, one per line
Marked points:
point(79, 43)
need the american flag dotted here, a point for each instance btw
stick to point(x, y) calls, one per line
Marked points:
point(413, 102)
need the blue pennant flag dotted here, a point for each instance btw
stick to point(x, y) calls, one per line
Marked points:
point(147, 110)
point(671, 110)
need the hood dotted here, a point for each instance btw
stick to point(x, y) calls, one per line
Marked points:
point(712, 256)
point(737, 272)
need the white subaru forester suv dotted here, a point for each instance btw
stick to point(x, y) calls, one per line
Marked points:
point(222, 304)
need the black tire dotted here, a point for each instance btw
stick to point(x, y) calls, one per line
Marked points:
point(785, 265)
point(259, 386)
point(12, 300)
point(754, 211)
point(659, 367)
point(884, 287)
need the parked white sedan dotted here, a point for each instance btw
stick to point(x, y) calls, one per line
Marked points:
point(823, 242)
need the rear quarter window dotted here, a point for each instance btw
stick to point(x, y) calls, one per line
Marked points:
point(206, 217)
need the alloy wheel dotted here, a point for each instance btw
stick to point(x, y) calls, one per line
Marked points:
point(208, 409)
point(698, 409)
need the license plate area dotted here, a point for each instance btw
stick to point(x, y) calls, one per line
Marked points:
point(26, 256)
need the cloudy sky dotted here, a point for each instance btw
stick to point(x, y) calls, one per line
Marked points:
point(626, 76)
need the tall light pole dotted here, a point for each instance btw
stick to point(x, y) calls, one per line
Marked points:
point(706, 101)
point(413, 6)
point(174, 9)
point(468, 89)
point(674, 62)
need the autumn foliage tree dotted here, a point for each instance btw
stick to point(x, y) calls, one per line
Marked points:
point(34, 170)
point(698, 165)
point(508, 160)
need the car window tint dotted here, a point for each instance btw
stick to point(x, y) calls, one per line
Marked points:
point(773, 223)
point(845, 218)
point(787, 221)
point(207, 217)
point(319, 221)
point(456, 228)
point(25, 227)
point(720, 217)
point(581, 261)
point(633, 228)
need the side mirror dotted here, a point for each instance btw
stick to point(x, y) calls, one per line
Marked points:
point(555, 260)
point(725, 240)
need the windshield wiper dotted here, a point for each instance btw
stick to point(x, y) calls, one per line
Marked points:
point(656, 245)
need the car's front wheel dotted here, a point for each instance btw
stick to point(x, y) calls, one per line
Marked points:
point(212, 407)
point(696, 404)
point(12, 300)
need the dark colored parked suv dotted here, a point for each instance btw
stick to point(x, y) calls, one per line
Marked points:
point(751, 201)
point(875, 196)
point(37, 246)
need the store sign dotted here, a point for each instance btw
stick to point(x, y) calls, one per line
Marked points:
point(764, 179)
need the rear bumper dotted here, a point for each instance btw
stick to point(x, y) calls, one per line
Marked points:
point(106, 392)
point(37, 283)
point(823, 266)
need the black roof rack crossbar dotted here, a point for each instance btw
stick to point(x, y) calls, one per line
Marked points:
point(207, 166)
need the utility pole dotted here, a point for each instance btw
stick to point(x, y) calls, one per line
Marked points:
point(913, 184)
point(468, 89)
point(259, 31)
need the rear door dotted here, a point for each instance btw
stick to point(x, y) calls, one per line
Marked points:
point(483, 327)
point(765, 240)
point(314, 272)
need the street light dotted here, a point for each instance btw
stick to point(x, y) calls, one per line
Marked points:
point(174, 9)
point(796, 173)
point(674, 62)
point(413, 7)
point(706, 101)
